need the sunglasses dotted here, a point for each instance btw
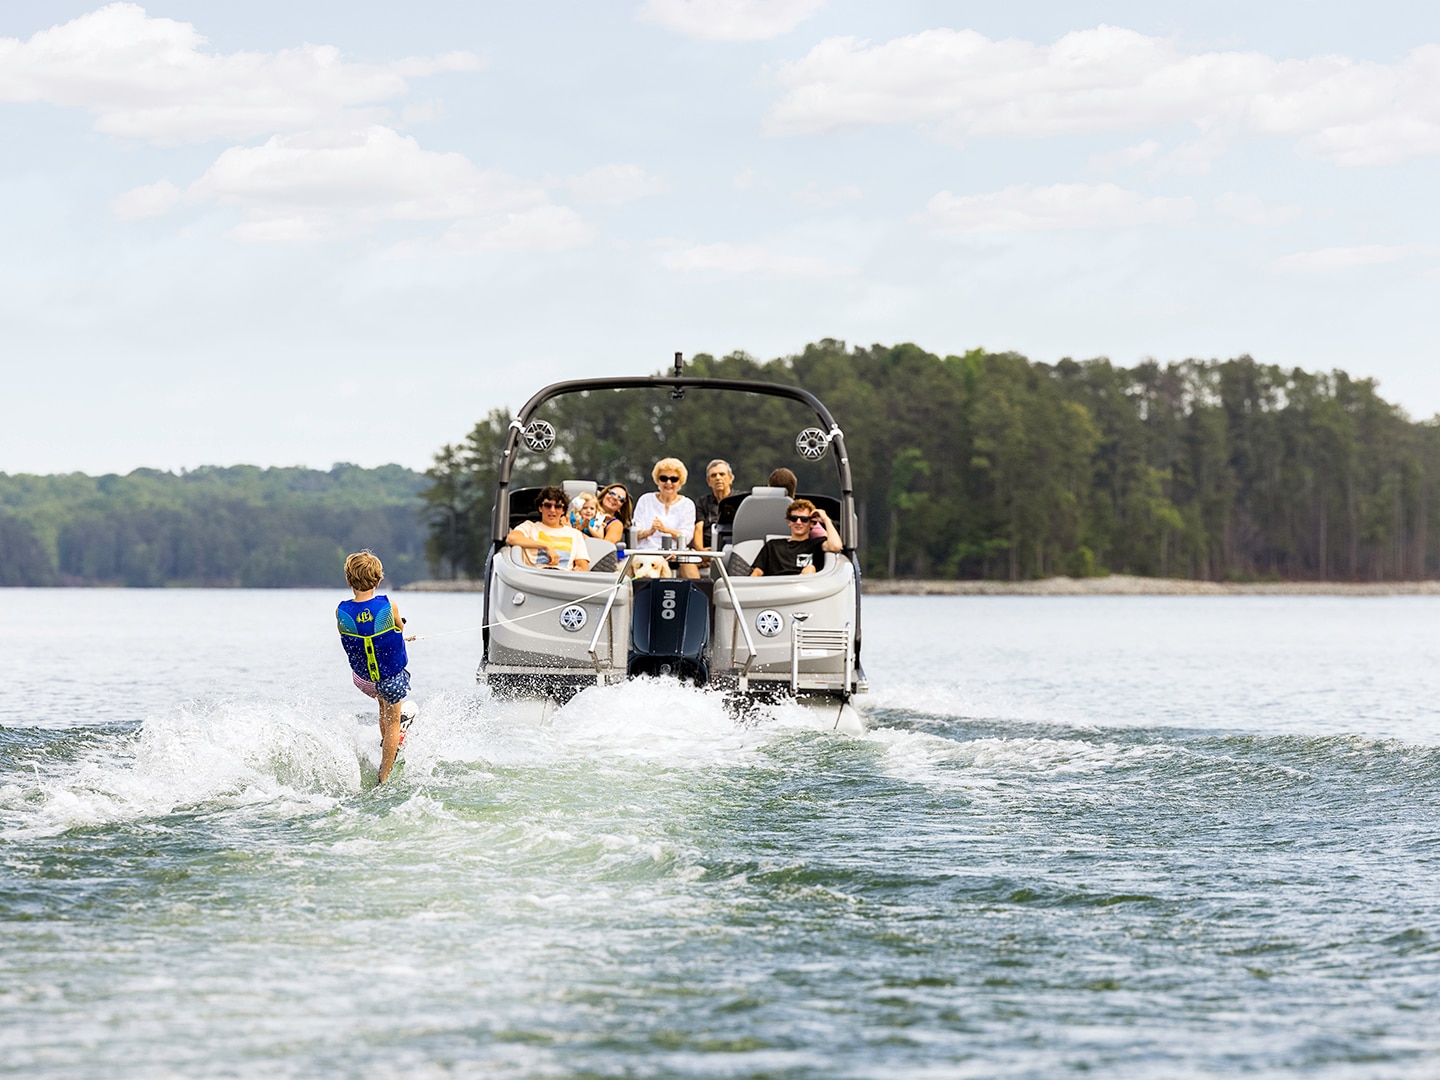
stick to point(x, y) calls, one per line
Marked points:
point(798, 517)
point(554, 504)
point(668, 479)
point(619, 493)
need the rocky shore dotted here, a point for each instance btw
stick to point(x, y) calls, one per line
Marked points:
point(1114, 585)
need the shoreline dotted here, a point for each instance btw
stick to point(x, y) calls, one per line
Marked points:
point(1113, 585)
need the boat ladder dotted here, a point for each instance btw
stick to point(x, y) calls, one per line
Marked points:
point(807, 642)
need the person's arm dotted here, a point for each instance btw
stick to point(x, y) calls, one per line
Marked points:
point(579, 551)
point(685, 530)
point(646, 507)
point(757, 572)
point(399, 621)
point(518, 537)
point(615, 531)
point(698, 540)
point(833, 543)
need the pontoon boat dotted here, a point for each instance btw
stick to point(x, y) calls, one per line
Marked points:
point(550, 634)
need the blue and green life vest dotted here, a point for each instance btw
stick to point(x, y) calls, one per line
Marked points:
point(373, 642)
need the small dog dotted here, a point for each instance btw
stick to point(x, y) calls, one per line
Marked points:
point(649, 566)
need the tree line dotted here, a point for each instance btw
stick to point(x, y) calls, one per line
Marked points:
point(240, 526)
point(988, 465)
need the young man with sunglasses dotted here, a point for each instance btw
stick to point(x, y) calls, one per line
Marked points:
point(799, 552)
point(551, 543)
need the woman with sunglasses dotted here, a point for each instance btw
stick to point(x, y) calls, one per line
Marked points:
point(799, 553)
point(615, 513)
point(665, 518)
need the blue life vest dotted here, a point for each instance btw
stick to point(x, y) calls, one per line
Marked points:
point(373, 642)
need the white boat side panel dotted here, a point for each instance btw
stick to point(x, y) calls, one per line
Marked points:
point(531, 632)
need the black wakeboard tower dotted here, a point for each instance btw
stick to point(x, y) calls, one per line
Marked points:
point(812, 443)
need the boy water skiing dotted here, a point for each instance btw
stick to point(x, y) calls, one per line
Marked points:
point(372, 632)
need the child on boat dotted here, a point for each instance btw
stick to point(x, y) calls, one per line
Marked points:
point(372, 633)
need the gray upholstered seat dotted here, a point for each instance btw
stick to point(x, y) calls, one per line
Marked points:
point(762, 514)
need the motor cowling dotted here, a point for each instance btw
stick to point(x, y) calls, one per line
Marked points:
point(670, 629)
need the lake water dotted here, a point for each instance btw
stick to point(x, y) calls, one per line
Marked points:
point(1111, 836)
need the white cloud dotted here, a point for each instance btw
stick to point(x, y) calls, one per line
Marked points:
point(151, 200)
point(612, 185)
point(748, 260)
point(1061, 206)
point(543, 228)
point(812, 194)
point(321, 186)
point(151, 78)
point(961, 85)
point(729, 20)
point(1342, 258)
point(1250, 209)
point(1125, 158)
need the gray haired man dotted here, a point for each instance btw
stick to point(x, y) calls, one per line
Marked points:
point(719, 476)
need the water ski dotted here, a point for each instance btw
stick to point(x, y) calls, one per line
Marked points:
point(408, 711)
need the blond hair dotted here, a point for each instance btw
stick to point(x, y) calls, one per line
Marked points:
point(363, 570)
point(669, 464)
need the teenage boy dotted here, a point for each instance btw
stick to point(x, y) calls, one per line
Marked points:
point(798, 552)
point(551, 543)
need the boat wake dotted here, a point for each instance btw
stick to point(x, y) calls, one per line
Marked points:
point(283, 758)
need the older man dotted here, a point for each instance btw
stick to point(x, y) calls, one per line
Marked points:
point(719, 476)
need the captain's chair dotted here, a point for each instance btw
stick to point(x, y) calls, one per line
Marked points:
point(762, 514)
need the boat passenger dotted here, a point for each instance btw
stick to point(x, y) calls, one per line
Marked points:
point(585, 515)
point(798, 553)
point(615, 509)
point(719, 476)
point(783, 477)
point(551, 543)
point(665, 518)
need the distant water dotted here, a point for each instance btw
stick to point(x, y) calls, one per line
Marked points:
point(1125, 837)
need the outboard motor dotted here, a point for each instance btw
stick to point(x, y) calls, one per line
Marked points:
point(670, 629)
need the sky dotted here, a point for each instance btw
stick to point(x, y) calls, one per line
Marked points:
point(304, 233)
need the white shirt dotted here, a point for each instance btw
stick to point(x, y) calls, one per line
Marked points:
point(678, 515)
point(568, 543)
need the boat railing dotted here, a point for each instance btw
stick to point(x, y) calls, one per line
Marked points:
point(717, 560)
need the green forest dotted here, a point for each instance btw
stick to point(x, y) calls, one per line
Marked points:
point(988, 465)
point(240, 526)
point(984, 465)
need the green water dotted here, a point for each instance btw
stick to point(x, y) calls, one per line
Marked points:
point(1127, 851)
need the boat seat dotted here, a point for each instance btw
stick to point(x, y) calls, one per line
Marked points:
point(602, 556)
point(762, 514)
point(740, 559)
point(577, 487)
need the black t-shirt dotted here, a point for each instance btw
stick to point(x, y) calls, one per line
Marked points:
point(707, 509)
point(785, 556)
